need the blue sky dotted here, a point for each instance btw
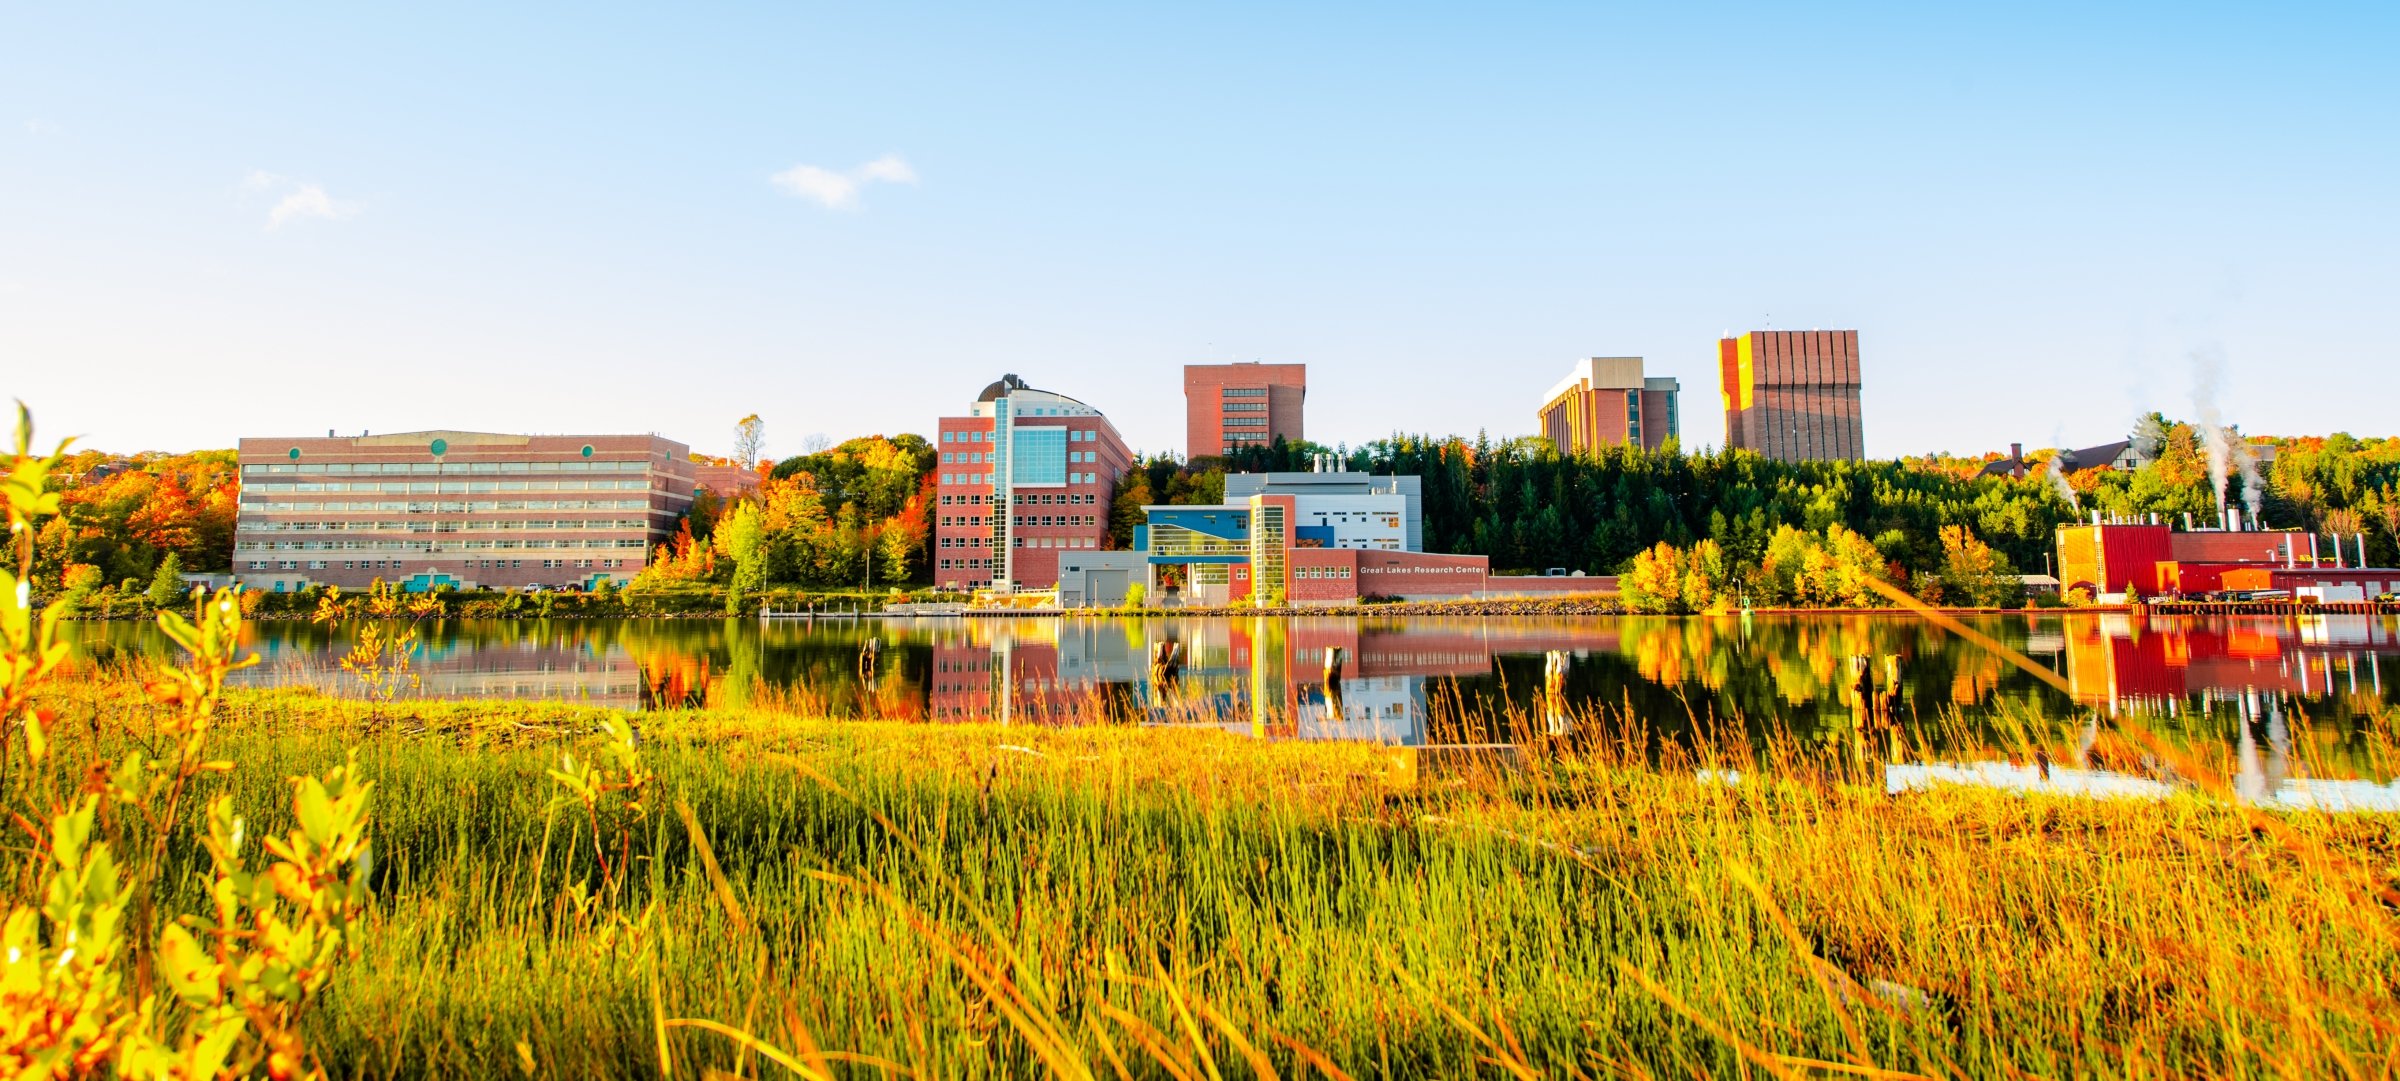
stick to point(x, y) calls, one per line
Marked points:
point(275, 220)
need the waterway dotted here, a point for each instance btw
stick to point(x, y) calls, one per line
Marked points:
point(2304, 696)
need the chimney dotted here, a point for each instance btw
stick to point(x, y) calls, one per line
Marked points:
point(328, 433)
point(2312, 550)
point(2016, 460)
point(2362, 549)
point(2187, 521)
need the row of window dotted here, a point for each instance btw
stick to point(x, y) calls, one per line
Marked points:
point(1320, 572)
point(253, 525)
point(445, 507)
point(1245, 392)
point(260, 469)
point(432, 546)
point(1245, 407)
point(967, 457)
point(1245, 422)
point(986, 478)
point(397, 564)
point(1020, 542)
point(553, 485)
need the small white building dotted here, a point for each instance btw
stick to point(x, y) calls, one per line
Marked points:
point(1096, 579)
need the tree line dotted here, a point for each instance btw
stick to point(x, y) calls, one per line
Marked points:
point(863, 511)
point(1805, 532)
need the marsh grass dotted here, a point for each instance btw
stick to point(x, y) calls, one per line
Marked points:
point(872, 899)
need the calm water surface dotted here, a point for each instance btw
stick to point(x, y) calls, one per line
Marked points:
point(2299, 695)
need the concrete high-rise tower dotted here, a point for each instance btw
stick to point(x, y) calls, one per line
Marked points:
point(1606, 402)
point(1792, 395)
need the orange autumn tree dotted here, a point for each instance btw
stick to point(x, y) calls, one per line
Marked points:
point(819, 520)
point(124, 514)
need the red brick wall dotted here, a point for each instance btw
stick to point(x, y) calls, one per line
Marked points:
point(1338, 583)
point(1419, 574)
point(1203, 402)
point(963, 513)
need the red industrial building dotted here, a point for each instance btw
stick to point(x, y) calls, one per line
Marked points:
point(2110, 559)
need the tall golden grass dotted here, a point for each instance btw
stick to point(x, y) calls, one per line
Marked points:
point(807, 897)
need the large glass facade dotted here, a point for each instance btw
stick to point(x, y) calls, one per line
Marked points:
point(1267, 542)
point(1038, 456)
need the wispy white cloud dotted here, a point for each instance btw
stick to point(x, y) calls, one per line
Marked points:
point(39, 126)
point(839, 190)
point(310, 201)
point(300, 199)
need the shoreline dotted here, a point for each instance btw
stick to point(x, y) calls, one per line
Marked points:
point(1472, 609)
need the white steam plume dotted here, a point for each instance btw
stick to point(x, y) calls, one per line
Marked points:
point(2254, 491)
point(2206, 365)
point(2066, 491)
point(2148, 436)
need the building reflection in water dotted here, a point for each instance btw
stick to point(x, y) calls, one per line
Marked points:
point(547, 668)
point(2120, 660)
point(2266, 678)
point(2270, 694)
point(1262, 676)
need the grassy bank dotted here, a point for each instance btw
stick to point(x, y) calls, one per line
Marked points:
point(990, 901)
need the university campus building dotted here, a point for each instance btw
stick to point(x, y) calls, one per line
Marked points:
point(471, 510)
point(1026, 475)
point(1301, 539)
point(1608, 402)
point(1228, 407)
point(1792, 395)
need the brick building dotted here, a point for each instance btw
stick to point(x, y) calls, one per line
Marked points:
point(1608, 402)
point(1792, 395)
point(1024, 475)
point(463, 509)
point(1231, 406)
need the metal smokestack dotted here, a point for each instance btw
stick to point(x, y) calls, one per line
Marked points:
point(2312, 551)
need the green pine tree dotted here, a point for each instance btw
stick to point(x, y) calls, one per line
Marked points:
point(166, 586)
